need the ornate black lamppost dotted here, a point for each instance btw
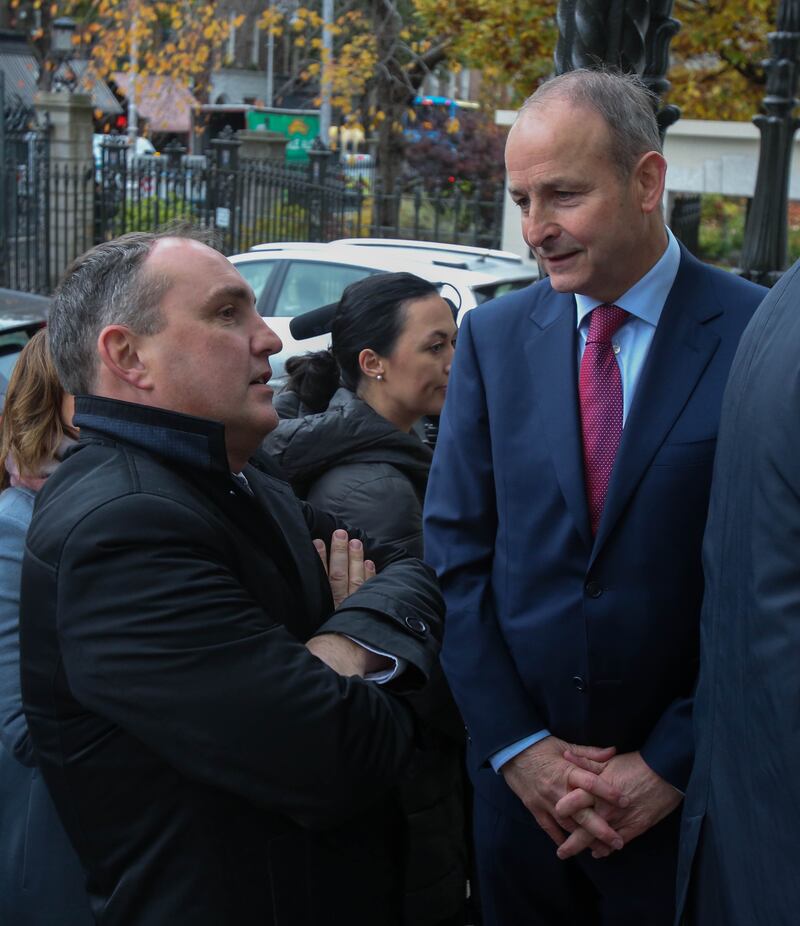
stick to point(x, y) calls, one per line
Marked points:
point(659, 34)
point(764, 255)
point(633, 35)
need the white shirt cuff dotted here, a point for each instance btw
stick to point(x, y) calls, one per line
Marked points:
point(385, 675)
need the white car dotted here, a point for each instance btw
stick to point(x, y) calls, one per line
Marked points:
point(142, 147)
point(290, 278)
point(456, 255)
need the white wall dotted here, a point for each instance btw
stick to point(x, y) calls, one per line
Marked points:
point(512, 230)
point(718, 157)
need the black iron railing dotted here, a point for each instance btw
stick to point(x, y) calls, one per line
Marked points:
point(25, 204)
point(53, 211)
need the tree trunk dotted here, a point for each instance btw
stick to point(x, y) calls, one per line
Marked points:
point(396, 85)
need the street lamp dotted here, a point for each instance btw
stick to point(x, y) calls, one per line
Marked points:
point(133, 111)
point(327, 62)
point(270, 94)
point(288, 10)
point(61, 33)
point(61, 50)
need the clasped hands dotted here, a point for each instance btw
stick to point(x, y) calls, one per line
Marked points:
point(587, 797)
point(347, 571)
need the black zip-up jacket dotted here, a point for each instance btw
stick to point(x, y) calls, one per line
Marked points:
point(208, 768)
point(352, 462)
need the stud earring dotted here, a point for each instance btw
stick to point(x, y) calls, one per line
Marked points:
point(379, 377)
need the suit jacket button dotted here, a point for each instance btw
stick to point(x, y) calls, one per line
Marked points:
point(579, 683)
point(594, 589)
point(417, 625)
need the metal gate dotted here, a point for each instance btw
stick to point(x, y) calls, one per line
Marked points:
point(24, 197)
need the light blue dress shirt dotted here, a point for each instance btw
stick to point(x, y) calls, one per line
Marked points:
point(644, 301)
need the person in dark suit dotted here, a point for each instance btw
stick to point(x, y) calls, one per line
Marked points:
point(205, 704)
point(565, 512)
point(737, 864)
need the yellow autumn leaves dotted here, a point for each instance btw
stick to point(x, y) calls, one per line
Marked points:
point(715, 56)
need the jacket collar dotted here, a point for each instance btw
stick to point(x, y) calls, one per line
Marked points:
point(270, 516)
point(184, 439)
point(348, 431)
point(682, 347)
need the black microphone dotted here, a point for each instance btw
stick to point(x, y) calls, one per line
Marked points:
point(314, 323)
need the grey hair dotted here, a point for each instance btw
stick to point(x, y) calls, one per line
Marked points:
point(623, 101)
point(106, 286)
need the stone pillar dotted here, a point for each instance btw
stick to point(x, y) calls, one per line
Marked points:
point(70, 188)
point(258, 145)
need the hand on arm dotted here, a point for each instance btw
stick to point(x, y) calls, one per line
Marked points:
point(541, 777)
point(347, 571)
point(649, 799)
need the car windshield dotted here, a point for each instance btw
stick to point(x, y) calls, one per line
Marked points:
point(257, 274)
point(488, 291)
point(10, 346)
point(309, 285)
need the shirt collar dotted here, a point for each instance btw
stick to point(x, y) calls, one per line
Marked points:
point(646, 298)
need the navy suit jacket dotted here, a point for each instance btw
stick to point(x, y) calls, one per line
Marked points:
point(593, 638)
point(738, 856)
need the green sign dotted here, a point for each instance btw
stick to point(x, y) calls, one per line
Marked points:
point(300, 126)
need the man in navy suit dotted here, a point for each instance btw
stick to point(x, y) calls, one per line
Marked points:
point(565, 513)
point(738, 857)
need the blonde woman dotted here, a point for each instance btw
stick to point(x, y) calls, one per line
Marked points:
point(41, 881)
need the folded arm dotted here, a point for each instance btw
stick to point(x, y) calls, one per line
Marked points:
point(185, 659)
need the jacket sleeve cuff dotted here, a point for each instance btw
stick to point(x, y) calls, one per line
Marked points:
point(378, 631)
point(669, 749)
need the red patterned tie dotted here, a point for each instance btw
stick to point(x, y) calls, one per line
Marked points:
point(600, 389)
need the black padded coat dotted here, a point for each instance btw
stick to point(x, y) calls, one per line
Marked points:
point(360, 467)
point(356, 465)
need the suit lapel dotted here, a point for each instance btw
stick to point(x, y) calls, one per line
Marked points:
point(552, 358)
point(681, 349)
point(278, 524)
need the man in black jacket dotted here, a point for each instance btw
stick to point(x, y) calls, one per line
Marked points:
point(198, 707)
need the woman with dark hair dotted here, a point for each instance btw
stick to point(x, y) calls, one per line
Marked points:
point(392, 342)
point(353, 451)
point(41, 880)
